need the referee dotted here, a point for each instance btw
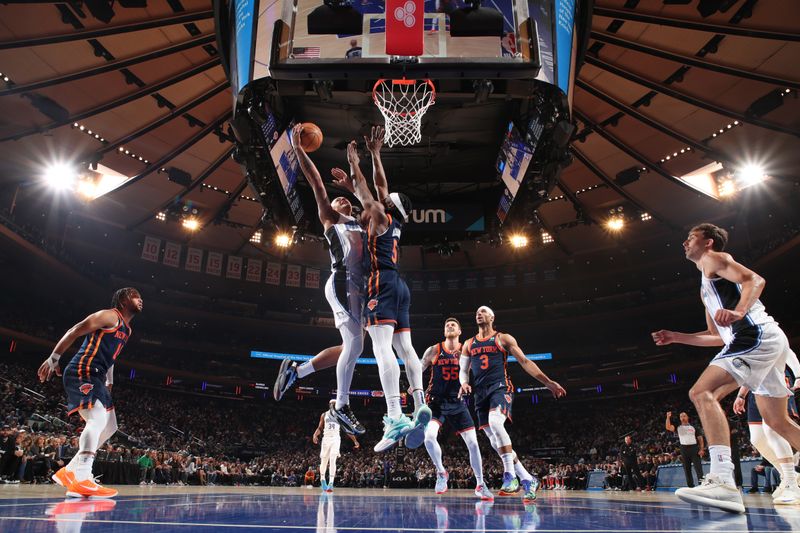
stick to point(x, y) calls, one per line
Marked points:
point(691, 447)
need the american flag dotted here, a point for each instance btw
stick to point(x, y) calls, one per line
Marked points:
point(306, 52)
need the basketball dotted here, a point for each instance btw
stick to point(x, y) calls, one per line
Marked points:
point(311, 138)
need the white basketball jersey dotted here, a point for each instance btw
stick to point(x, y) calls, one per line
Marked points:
point(346, 244)
point(332, 426)
point(719, 293)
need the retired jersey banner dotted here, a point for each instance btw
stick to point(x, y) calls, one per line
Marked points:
point(214, 263)
point(312, 278)
point(150, 249)
point(194, 259)
point(253, 270)
point(172, 254)
point(292, 275)
point(234, 270)
point(273, 276)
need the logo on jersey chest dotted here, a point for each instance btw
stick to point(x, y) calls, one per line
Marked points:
point(483, 350)
point(86, 388)
point(372, 304)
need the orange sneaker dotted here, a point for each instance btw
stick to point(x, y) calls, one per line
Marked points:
point(63, 477)
point(89, 489)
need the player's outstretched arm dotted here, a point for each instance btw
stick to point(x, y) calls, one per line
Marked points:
point(463, 369)
point(374, 145)
point(509, 343)
point(326, 213)
point(669, 427)
point(724, 266)
point(106, 318)
point(374, 208)
point(709, 337)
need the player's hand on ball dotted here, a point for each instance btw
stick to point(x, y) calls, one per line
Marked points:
point(726, 317)
point(557, 390)
point(464, 390)
point(663, 337)
point(738, 405)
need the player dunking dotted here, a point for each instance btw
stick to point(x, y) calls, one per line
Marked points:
point(331, 444)
point(485, 356)
point(388, 299)
point(754, 356)
point(447, 407)
point(344, 289)
point(88, 379)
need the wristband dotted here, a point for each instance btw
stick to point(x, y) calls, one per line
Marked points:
point(742, 397)
point(52, 361)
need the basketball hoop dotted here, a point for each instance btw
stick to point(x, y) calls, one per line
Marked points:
point(403, 103)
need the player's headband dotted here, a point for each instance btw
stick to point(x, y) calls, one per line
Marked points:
point(395, 197)
point(487, 309)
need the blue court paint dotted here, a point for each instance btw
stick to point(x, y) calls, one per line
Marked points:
point(373, 510)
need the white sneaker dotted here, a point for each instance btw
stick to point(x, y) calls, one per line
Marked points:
point(786, 494)
point(713, 492)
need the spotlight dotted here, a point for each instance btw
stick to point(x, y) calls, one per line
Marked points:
point(518, 241)
point(645, 217)
point(256, 237)
point(546, 237)
point(751, 174)
point(87, 189)
point(192, 224)
point(283, 240)
point(726, 188)
point(615, 224)
point(162, 216)
point(60, 176)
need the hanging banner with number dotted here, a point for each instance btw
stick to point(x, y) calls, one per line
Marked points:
point(172, 254)
point(253, 270)
point(150, 249)
point(292, 275)
point(194, 259)
point(214, 263)
point(273, 276)
point(312, 278)
point(234, 270)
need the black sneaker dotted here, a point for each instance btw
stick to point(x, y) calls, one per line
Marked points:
point(348, 420)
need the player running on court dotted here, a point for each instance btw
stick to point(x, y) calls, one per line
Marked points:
point(754, 356)
point(329, 427)
point(447, 407)
point(88, 379)
point(485, 356)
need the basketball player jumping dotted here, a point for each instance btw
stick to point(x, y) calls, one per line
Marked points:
point(331, 444)
point(388, 301)
point(485, 355)
point(446, 406)
point(344, 289)
point(754, 356)
point(770, 445)
point(88, 379)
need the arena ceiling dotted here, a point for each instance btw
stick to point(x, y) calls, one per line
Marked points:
point(667, 88)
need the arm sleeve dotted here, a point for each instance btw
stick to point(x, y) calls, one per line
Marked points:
point(110, 375)
point(463, 369)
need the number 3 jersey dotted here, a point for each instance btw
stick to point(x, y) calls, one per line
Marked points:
point(488, 364)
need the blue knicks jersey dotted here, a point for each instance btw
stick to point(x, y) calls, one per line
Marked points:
point(444, 383)
point(100, 349)
point(488, 363)
point(383, 248)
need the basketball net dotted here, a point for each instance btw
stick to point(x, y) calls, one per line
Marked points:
point(403, 103)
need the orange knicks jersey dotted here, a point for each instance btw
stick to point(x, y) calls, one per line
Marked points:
point(488, 364)
point(100, 349)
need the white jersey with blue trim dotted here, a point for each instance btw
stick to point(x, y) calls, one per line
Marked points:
point(332, 426)
point(346, 246)
point(719, 293)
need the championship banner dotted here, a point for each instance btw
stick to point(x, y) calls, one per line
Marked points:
point(253, 270)
point(150, 249)
point(172, 254)
point(194, 259)
point(292, 275)
point(312, 278)
point(234, 270)
point(214, 263)
point(273, 276)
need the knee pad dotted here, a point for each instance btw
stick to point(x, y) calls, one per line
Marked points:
point(497, 422)
point(431, 431)
point(780, 447)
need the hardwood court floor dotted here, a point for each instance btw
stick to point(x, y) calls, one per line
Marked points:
point(295, 510)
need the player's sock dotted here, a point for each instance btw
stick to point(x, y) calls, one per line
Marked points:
point(305, 369)
point(432, 445)
point(393, 409)
point(721, 463)
point(508, 462)
point(388, 367)
point(788, 474)
point(419, 398)
point(83, 468)
point(520, 470)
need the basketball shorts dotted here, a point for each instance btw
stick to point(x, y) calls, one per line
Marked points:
point(388, 300)
point(754, 415)
point(330, 449)
point(84, 391)
point(497, 398)
point(452, 412)
point(756, 358)
point(346, 298)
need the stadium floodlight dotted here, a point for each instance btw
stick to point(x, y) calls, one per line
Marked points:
point(518, 241)
point(615, 224)
point(191, 223)
point(283, 240)
point(60, 176)
point(751, 174)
